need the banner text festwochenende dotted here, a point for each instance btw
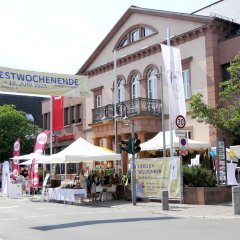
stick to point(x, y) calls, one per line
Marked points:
point(13, 80)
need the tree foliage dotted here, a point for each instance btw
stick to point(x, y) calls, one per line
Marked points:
point(14, 124)
point(225, 116)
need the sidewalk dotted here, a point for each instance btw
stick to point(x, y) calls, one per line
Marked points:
point(179, 210)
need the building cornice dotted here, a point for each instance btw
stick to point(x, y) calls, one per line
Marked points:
point(156, 48)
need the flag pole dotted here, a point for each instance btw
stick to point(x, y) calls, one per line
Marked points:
point(170, 110)
point(163, 114)
point(51, 118)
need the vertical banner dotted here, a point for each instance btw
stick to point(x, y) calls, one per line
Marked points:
point(173, 68)
point(15, 162)
point(155, 175)
point(57, 113)
point(5, 178)
point(39, 148)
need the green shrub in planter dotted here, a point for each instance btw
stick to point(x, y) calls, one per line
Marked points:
point(196, 176)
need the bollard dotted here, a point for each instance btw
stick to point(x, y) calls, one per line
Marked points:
point(236, 199)
point(165, 205)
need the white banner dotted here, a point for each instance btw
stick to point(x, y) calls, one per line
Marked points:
point(173, 68)
point(5, 177)
point(19, 81)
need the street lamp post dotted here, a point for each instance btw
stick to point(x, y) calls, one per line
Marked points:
point(133, 167)
point(126, 120)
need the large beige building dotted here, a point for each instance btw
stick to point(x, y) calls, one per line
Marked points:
point(207, 45)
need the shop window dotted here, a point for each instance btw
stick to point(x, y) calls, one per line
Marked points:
point(71, 168)
point(73, 114)
point(66, 116)
point(186, 83)
point(135, 35)
point(135, 86)
point(120, 90)
point(124, 42)
point(99, 101)
point(79, 115)
point(225, 73)
point(152, 84)
point(45, 121)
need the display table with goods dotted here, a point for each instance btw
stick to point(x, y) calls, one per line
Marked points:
point(65, 193)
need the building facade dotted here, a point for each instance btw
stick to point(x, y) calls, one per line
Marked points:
point(207, 45)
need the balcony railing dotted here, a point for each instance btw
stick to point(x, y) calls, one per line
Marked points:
point(137, 106)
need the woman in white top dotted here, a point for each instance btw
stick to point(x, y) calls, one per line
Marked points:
point(82, 180)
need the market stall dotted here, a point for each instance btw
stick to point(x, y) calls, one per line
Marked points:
point(82, 151)
point(156, 143)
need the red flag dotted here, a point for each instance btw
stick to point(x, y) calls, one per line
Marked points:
point(39, 148)
point(57, 113)
point(15, 162)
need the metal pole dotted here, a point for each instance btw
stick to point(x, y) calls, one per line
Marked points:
point(163, 114)
point(50, 97)
point(181, 181)
point(115, 102)
point(170, 110)
point(51, 118)
point(133, 168)
point(115, 95)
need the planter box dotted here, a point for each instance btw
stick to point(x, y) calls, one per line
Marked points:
point(207, 195)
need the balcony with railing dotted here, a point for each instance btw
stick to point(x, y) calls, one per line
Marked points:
point(135, 107)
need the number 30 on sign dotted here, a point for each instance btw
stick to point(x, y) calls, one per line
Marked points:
point(180, 121)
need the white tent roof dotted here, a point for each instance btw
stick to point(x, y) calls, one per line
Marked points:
point(29, 156)
point(81, 150)
point(156, 143)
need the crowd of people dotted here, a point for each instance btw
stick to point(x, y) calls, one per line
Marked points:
point(91, 181)
point(22, 178)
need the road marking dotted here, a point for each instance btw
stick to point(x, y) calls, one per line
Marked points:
point(51, 214)
point(31, 217)
point(6, 219)
point(8, 207)
point(73, 213)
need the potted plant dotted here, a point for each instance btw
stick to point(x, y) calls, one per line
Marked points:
point(200, 187)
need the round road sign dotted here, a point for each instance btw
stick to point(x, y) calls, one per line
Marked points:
point(180, 121)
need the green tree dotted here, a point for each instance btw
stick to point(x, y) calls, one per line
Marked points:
point(14, 124)
point(225, 116)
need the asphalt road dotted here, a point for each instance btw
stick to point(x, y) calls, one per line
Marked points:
point(25, 220)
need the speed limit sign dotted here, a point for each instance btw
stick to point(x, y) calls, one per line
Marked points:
point(180, 121)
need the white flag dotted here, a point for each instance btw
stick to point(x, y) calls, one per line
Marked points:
point(173, 68)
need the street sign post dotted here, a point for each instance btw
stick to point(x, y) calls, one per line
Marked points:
point(181, 133)
point(183, 143)
point(180, 121)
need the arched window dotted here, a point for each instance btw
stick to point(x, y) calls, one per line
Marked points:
point(121, 90)
point(135, 86)
point(152, 83)
point(134, 34)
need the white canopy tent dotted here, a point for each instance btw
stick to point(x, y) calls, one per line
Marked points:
point(156, 143)
point(29, 156)
point(81, 151)
point(39, 158)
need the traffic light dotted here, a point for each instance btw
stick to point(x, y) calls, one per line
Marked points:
point(127, 145)
point(137, 147)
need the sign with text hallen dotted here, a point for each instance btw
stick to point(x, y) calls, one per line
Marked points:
point(30, 82)
point(65, 138)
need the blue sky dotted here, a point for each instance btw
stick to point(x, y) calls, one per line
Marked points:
point(59, 35)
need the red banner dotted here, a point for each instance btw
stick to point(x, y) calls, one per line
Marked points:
point(57, 113)
point(15, 162)
point(39, 148)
